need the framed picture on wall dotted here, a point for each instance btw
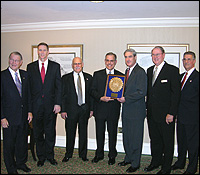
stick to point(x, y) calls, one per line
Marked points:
point(62, 54)
point(173, 54)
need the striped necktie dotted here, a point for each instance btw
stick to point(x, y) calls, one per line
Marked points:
point(154, 75)
point(80, 97)
point(18, 83)
point(182, 83)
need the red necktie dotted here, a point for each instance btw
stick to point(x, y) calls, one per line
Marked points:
point(42, 73)
point(127, 74)
point(182, 83)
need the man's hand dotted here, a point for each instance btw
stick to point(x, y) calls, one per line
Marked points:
point(56, 109)
point(64, 115)
point(4, 123)
point(30, 117)
point(121, 100)
point(169, 118)
point(106, 99)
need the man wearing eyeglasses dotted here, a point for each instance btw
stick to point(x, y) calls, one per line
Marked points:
point(14, 114)
point(188, 116)
point(163, 94)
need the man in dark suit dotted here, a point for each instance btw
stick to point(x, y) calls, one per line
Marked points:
point(14, 114)
point(133, 111)
point(188, 116)
point(163, 95)
point(76, 108)
point(106, 110)
point(45, 94)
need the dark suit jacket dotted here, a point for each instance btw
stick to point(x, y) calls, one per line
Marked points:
point(51, 89)
point(189, 102)
point(13, 107)
point(69, 95)
point(135, 92)
point(163, 98)
point(98, 91)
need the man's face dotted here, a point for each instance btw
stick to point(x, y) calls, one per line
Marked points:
point(43, 53)
point(130, 60)
point(15, 62)
point(188, 62)
point(157, 56)
point(77, 65)
point(110, 62)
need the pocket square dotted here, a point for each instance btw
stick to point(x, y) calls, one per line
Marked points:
point(164, 81)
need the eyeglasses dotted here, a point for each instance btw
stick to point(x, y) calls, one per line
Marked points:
point(75, 64)
point(187, 59)
point(16, 61)
point(156, 55)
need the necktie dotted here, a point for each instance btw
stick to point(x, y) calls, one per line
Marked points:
point(42, 73)
point(80, 99)
point(109, 72)
point(154, 75)
point(127, 74)
point(182, 83)
point(18, 83)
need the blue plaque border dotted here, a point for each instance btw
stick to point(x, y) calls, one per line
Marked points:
point(109, 92)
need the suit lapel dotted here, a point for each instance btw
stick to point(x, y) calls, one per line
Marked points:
point(190, 79)
point(11, 81)
point(160, 75)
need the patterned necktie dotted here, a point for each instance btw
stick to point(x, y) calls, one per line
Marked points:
point(80, 98)
point(127, 74)
point(182, 83)
point(154, 75)
point(43, 73)
point(18, 83)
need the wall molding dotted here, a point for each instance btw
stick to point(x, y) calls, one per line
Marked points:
point(106, 23)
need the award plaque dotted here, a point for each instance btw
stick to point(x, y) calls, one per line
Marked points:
point(115, 86)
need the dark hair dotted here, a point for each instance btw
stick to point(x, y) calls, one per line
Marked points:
point(190, 53)
point(132, 51)
point(111, 53)
point(16, 53)
point(158, 47)
point(43, 44)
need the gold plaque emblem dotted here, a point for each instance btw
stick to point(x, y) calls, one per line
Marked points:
point(115, 84)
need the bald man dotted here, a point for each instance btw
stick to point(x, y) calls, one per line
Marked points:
point(76, 108)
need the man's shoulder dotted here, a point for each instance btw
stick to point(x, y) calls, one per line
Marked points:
point(118, 72)
point(87, 74)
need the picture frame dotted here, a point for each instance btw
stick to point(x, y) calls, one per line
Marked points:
point(115, 85)
point(173, 54)
point(62, 54)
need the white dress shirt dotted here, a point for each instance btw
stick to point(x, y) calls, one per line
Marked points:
point(82, 84)
point(13, 74)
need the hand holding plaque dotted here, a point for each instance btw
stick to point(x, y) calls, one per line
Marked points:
point(115, 86)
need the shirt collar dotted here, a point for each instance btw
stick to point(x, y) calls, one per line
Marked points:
point(107, 71)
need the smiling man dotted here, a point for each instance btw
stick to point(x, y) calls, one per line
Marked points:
point(163, 94)
point(77, 108)
point(106, 110)
point(14, 114)
point(45, 95)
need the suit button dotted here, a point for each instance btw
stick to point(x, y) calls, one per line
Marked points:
point(22, 106)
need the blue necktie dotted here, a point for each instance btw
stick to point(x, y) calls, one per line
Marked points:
point(18, 83)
